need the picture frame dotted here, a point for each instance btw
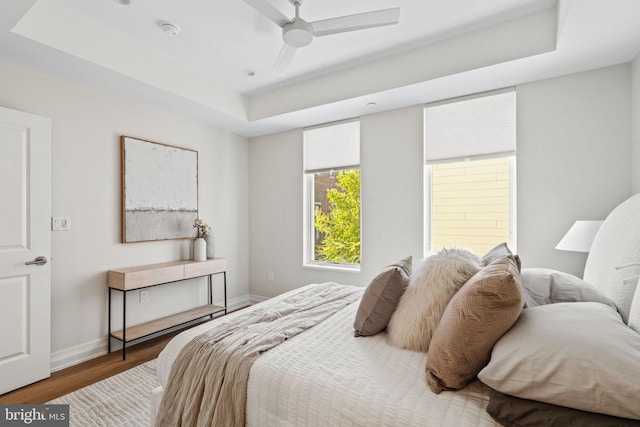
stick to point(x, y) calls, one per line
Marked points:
point(159, 190)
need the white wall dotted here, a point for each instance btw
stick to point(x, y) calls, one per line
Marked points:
point(391, 168)
point(86, 126)
point(573, 153)
point(573, 148)
point(635, 123)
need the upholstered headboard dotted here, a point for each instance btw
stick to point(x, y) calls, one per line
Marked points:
point(613, 265)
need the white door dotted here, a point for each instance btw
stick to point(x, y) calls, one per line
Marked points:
point(25, 212)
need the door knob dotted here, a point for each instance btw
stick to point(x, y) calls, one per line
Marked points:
point(38, 261)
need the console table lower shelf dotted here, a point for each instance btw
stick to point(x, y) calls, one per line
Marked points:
point(142, 330)
point(138, 278)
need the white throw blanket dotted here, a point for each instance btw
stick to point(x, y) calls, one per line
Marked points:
point(208, 381)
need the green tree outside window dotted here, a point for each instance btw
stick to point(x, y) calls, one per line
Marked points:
point(340, 226)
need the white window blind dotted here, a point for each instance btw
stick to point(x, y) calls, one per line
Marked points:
point(335, 146)
point(473, 127)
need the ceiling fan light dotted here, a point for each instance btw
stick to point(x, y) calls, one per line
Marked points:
point(298, 33)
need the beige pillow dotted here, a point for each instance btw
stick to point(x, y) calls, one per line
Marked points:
point(381, 298)
point(578, 354)
point(476, 317)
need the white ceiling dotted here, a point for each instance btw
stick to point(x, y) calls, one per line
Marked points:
point(439, 49)
point(220, 39)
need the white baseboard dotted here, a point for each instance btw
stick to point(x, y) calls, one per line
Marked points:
point(77, 354)
point(90, 350)
point(255, 299)
point(237, 302)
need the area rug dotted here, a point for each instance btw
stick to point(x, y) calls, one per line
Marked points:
point(121, 400)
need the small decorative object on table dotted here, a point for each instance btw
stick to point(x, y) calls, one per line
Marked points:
point(211, 245)
point(200, 245)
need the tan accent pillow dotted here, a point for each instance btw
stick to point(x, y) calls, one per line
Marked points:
point(381, 298)
point(577, 354)
point(476, 317)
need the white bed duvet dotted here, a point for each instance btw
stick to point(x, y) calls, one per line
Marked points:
point(327, 377)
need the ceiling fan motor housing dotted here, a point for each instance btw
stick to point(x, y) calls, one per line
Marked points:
point(298, 33)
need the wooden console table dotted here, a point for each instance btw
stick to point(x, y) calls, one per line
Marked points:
point(136, 278)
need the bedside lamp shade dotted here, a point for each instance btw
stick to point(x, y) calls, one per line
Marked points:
point(580, 236)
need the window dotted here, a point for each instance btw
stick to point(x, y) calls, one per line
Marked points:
point(332, 195)
point(470, 172)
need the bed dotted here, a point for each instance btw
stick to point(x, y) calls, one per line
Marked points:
point(316, 372)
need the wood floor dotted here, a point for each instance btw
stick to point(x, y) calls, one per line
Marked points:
point(86, 373)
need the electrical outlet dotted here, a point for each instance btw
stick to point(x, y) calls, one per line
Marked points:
point(144, 297)
point(60, 223)
point(270, 276)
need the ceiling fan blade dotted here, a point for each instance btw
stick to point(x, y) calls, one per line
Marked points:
point(359, 21)
point(265, 8)
point(284, 59)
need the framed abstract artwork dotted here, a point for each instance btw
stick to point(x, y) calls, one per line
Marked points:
point(159, 190)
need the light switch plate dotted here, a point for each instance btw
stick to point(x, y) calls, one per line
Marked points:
point(62, 223)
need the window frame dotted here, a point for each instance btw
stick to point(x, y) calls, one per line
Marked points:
point(309, 229)
point(428, 179)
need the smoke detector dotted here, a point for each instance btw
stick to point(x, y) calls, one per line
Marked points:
point(169, 28)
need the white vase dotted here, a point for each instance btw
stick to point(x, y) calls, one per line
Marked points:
point(211, 245)
point(199, 249)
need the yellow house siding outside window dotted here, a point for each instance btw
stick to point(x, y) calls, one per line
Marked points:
point(470, 204)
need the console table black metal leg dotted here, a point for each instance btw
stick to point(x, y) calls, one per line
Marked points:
point(124, 325)
point(225, 292)
point(210, 282)
point(109, 325)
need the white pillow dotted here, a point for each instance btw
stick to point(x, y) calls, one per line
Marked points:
point(624, 295)
point(433, 282)
point(578, 355)
point(545, 286)
point(634, 312)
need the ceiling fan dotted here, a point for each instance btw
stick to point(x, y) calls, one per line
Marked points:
point(297, 32)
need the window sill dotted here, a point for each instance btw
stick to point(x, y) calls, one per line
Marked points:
point(354, 268)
